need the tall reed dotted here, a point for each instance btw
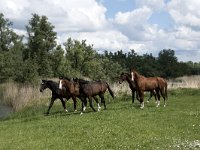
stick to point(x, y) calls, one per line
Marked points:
point(19, 96)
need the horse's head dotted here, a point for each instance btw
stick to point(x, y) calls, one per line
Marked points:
point(43, 85)
point(121, 78)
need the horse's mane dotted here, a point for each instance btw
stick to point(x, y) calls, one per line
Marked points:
point(52, 85)
point(81, 81)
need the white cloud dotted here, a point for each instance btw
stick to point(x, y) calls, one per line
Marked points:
point(135, 17)
point(185, 12)
point(153, 4)
point(86, 19)
point(76, 15)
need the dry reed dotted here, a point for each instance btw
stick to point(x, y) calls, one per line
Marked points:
point(19, 96)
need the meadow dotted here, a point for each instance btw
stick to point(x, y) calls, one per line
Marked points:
point(122, 126)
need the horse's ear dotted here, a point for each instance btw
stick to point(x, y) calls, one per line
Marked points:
point(43, 80)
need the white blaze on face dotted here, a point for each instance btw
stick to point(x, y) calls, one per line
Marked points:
point(60, 84)
point(132, 76)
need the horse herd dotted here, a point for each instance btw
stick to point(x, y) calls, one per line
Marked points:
point(83, 89)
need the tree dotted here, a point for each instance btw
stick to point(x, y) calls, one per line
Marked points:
point(168, 63)
point(11, 48)
point(80, 55)
point(41, 41)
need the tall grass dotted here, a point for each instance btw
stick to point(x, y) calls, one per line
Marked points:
point(19, 96)
point(185, 82)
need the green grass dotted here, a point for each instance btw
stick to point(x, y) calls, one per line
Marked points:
point(122, 126)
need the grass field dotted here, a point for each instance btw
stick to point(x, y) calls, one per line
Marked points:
point(122, 126)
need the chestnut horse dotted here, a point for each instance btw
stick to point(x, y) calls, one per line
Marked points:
point(127, 77)
point(148, 84)
point(53, 86)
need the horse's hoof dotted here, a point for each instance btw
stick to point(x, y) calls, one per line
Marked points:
point(81, 113)
point(66, 110)
point(84, 108)
point(75, 110)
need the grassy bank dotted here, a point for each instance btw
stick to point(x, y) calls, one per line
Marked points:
point(122, 126)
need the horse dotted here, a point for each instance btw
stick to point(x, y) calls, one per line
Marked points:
point(53, 86)
point(92, 88)
point(127, 77)
point(72, 88)
point(86, 90)
point(148, 84)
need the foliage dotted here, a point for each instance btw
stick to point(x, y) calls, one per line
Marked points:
point(41, 41)
point(39, 56)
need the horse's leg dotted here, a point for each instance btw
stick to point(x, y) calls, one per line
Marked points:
point(50, 105)
point(133, 95)
point(84, 103)
point(151, 94)
point(141, 94)
point(163, 95)
point(63, 104)
point(158, 96)
point(90, 100)
point(97, 101)
point(103, 100)
point(137, 95)
point(74, 100)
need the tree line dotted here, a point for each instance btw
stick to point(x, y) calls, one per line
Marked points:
point(37, 55)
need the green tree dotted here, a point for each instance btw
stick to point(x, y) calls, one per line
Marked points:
point(168, 63)
point(41, 41)
point(11, 48)
point(79, 55)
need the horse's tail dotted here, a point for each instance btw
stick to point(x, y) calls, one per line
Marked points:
point(110, 91)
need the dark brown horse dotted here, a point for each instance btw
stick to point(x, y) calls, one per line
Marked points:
point(93, 88)
point(148, 84)
point(127, 77)
point(53, 86)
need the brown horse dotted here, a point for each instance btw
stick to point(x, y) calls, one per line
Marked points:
point(93, 88)
point(148, 84)
point(76, 90)
point(127, 77)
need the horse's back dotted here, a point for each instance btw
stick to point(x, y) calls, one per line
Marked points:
point(93, 88)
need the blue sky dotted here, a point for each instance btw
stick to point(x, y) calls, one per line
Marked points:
point(147, 26)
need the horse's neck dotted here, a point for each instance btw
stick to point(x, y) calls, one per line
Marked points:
point(130, 82)
point(128, 79)
point(52, 87)
point(138, 77)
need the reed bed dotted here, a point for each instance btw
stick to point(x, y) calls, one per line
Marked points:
point(19, 96)
point(185, 82)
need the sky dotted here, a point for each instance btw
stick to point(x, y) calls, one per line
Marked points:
point(147, 26)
